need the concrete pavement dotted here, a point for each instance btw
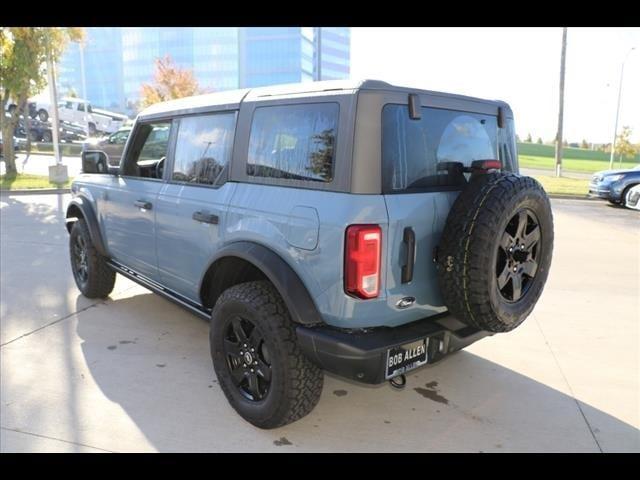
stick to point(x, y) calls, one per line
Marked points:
point(133, 373)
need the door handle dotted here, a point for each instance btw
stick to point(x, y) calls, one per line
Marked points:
point(205, 217)
point(142, 204)
point(409, 239)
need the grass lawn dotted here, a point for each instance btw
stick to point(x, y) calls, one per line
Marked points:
point(564, 186)
point(570, 164)
point(25, 181)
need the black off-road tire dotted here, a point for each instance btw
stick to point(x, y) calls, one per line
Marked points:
point(100, 278)
point(43, 115)
point(296, 383)
point(468, 253)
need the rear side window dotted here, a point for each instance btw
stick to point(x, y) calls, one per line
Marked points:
point(294, 142)
point(427, 153)
point(203, 148)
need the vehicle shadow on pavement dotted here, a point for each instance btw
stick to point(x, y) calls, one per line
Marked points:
point(152, 358)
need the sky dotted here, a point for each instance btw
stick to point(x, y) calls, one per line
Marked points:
point(518, 65)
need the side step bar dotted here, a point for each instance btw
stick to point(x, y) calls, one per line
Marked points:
point(160, 290)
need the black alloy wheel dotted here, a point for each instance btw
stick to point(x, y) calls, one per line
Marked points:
point(518, 253)
point(247, 358)
point(79, 259)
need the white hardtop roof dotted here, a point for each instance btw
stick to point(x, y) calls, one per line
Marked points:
point(233, 98)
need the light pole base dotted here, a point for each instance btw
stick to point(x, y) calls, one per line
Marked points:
point(58, 173)
point(558, 170)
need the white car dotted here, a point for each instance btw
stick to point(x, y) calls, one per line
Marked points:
point(632, 199)
point(79, 111)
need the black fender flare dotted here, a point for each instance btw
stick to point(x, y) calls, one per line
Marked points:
point(89, 215)
point(296, 297)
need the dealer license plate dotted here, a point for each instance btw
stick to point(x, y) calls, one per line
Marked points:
point(406, 357)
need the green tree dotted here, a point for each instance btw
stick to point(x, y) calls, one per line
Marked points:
point(23, 55)
point(584, 144)
point(624, 148)
point(528, 139)
point(539, 141)
point(169, 82)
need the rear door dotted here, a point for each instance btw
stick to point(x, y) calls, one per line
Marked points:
point(191, 207)
point(421, 179)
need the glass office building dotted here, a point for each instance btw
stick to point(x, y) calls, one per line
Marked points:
point(118, 60)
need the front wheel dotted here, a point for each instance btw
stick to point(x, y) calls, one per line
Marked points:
point(43, 115)
point(256, 357)
point(624, 198)
point(93, 276)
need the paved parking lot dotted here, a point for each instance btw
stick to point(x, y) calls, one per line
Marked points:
point(133, 373)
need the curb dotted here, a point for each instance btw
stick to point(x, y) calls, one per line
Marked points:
point(36, 191)
point(573, 197)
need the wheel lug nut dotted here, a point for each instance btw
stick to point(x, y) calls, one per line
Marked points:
point(252, 370)
point(244, 365)
point(244, 345)
point(253, 350)
point(515, 269)
point(255, 362)
point(522, 247)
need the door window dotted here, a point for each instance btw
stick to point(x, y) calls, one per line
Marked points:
point(146, 158)
point(203, 149)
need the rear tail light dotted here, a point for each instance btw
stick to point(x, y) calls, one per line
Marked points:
point(362, 260)
point(486, 165)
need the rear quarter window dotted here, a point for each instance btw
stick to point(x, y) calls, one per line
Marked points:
point(295, 142)
point(419, 155)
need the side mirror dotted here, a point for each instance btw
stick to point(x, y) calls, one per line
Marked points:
point(94, 161)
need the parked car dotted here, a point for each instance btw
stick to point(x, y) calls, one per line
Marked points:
point(112, 145)
point(360, 228)
point(76, 110)
point(43, 132)
point(633, 198)
point(613, 185)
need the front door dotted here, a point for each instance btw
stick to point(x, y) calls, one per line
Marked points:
point(191, 207)
point(131, 200)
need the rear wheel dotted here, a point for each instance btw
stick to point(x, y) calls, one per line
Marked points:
point(259, 365)
point(43, 115)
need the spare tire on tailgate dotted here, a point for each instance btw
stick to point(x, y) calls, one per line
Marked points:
point(495, 251)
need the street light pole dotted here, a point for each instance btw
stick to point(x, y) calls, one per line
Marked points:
point(84, 88)
point(561, 106)
point(615, 129)
point(58, 172)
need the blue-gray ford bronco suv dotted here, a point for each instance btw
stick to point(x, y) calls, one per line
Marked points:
point(360, 228)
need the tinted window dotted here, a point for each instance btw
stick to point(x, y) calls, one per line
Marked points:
point(429, 152)
point(149, 149)
point(203, 148)
point(294, 142)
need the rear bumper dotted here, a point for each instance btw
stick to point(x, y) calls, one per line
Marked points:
point(362, 356)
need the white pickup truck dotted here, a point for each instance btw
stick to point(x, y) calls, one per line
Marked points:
point(76, 110)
